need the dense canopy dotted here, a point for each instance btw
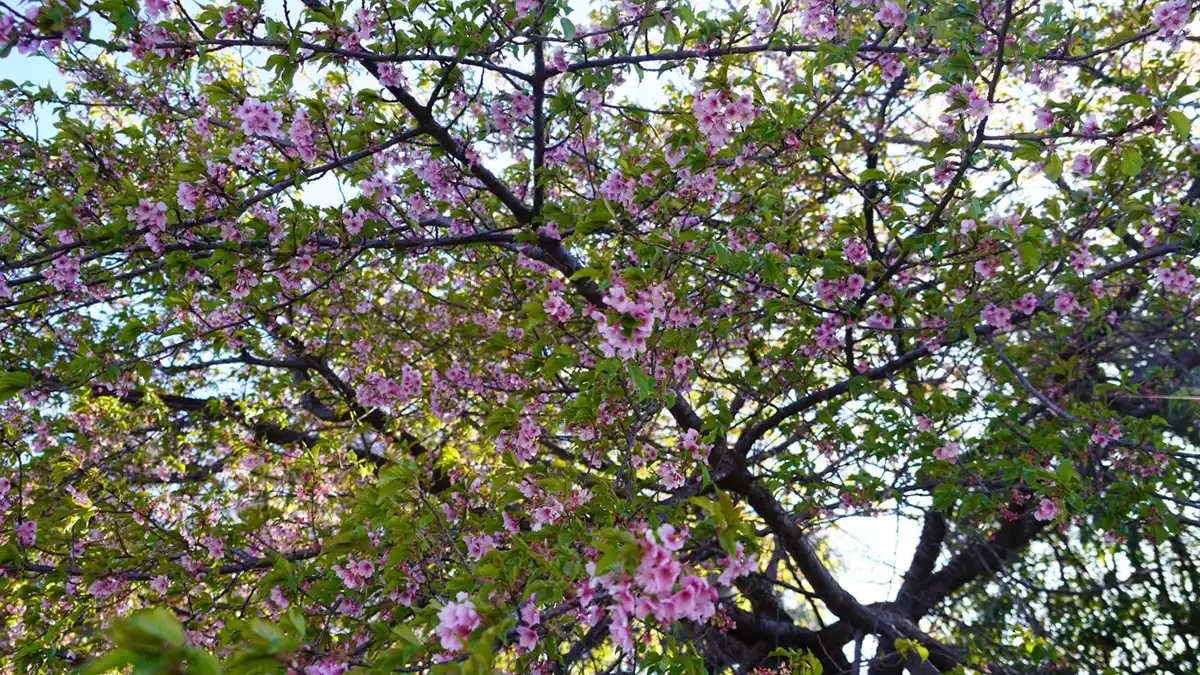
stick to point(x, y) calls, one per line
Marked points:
point(471, 336)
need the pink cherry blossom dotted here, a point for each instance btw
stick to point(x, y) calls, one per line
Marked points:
point(558, 61)
point(105, 587)
point(1047, 509)
point(27, 532)
point(997, 317)
point(891, 67)
point(557, 308)
point(259, 118)
point(737, 566)
point(188, 196)
point(1044, 119)
point(524, 7)
point(456, 621)
point(161, 584)
point(696, 448)
point(150, 215)
point(695, 600)
point(672, 539)
point(355, 573)
point(891, 13)
point(1026, 304)
point(526, 639)
point(947, 452)
point(1176, 280)
point(1172, 16)
point(479, 546)
point(1065, 303)
point(1082, 165)
point(853, 287)
point(615, 188)
point(682, 366)
point(278, 598)
point(856, 251)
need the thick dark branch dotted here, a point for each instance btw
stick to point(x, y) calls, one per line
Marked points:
point(979, 560)
point(924, 557)
point(589, 642)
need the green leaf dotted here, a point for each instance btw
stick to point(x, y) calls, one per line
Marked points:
point(587, 272)
point(116, 659)
point(554, 365)
point(1136, 99)
point(405, 633)
point(1054, 167)
point(568, 28)
point(960, 63)
point(1183, 125)
point(1031, 255)
point(906, 646)
point(295, 624)
point(155, 629)
point(200, 662)
point(728, 509)
point(728, 540)
point(1120, 36)
point(1131, 161)
point(672, 36)
point(13, 382)
point(269, 634)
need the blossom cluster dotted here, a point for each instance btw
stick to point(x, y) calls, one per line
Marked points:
point(660, 588)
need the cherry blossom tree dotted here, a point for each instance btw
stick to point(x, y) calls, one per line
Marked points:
point(461, 337)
